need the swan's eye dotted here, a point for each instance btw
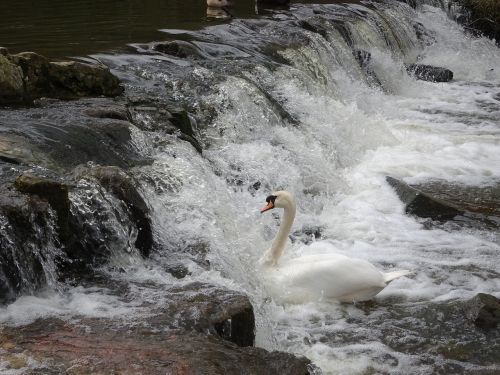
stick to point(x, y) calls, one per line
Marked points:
point(271, 198)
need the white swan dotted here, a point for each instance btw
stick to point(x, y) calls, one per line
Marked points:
point(322, 276)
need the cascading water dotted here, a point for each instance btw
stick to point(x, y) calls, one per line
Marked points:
point(283, 103)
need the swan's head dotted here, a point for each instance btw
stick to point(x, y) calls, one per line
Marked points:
point(278, 199)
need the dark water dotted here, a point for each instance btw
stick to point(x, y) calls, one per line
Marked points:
point(59, 28)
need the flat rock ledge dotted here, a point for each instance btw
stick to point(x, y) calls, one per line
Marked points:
point(53, 346)
point(27, 76)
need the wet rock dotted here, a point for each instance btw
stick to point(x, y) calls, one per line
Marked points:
point(177, 270)
point(176, 48)
point(118, 183)
point(59, 347)
point(25, 242)
point(114, 112)
point(55, 192)
point(184, 123)
point(206, 308)
point(28, 76)
point(314, 27)
point(62, 135)
point(422, 204)
point(483, 310)
point(430, 73)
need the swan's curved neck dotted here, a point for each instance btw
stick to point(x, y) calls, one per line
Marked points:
point(279, 241)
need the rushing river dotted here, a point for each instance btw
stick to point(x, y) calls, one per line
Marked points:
point(307, 118)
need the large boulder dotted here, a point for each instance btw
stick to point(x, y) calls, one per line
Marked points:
point(430, 73)
point(28, 76)
point(94, 346)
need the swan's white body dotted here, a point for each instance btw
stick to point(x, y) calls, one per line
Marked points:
point(321, 276)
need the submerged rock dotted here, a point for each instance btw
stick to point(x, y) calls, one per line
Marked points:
point(430, 73)
point(483, 310)
point(422, 204)
point(28, 76)
point(94, 346)
point(176, 48)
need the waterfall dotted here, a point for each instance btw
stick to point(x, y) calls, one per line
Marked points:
point(316, 100)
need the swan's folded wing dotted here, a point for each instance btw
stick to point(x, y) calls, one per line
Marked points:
point(328, 276)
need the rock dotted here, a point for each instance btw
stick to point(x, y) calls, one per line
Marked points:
point(483, 310)
point(118, 183)
point(206, 308)
point(26, 240)
point(177, 48)
point(430, 73)
point(11, 81)
point(314, 27)
point(273, 2)
point(27, 76)
point(71, 79)
point(422, 204)
point(482, 15)
point(55, 192)
point(62, 135)
point(96, 347)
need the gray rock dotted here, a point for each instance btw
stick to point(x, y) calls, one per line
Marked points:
point(483, 310)
point(422, 204)
point(430, 73)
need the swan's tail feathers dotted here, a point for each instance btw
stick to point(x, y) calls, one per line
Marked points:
point(389, 276)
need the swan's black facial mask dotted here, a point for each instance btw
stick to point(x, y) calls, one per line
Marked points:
point(270, 203)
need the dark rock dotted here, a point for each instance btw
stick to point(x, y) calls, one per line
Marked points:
point(111, 112)
point(362, 57)
point(176, 48)
point(483, 310)
point(430, 73)
point(273, 2)
point(422, 204)
point(27, 76)
point(62, 135)
point(482, 16)
point(177, 270)
point(55, 192)
point(206, 308)
point(118, 183)
point(313, 27)
point(61, 347)
point(25, 242)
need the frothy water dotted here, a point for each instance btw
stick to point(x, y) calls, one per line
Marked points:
point(349, 135)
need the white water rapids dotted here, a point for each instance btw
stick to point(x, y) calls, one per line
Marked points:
point(349, 137)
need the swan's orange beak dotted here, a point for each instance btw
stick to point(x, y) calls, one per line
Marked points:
point(267, 207)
